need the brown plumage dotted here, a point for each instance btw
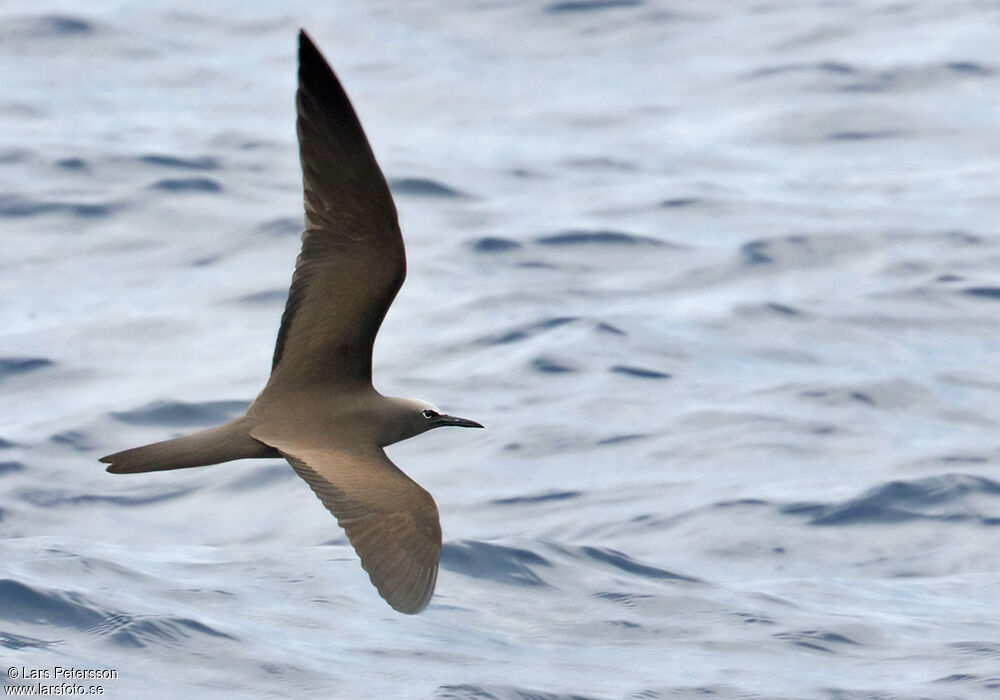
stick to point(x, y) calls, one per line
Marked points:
point(319, 409)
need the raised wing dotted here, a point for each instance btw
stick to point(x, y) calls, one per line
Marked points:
point(390, 520)
point(352, 262)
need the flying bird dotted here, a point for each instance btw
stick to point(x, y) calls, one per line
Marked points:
point(319, 409)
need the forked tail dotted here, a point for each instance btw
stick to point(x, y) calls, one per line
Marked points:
point(222, 444)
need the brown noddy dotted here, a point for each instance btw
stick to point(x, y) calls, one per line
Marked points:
point(319, 409)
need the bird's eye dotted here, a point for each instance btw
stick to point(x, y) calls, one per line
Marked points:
point(428, 413)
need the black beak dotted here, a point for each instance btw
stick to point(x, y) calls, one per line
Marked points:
point(443, 420)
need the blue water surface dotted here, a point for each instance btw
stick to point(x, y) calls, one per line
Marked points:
point(721, 278)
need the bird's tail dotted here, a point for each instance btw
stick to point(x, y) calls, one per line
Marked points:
point(222, 444)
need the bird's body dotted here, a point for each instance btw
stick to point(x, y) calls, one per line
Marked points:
point(319, 409)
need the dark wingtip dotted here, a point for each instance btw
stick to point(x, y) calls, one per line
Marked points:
point(323, 104)
point(311, 60)
point(317, 78)
point(305, 42)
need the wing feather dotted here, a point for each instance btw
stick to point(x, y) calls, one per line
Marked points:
point(391, 521)
point(352, 262)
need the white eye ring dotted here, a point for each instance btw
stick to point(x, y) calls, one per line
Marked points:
point(428, 413)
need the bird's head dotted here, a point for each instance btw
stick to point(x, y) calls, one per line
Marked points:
point(411, 418)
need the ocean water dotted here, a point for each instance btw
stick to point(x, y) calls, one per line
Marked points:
point(722, 279)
